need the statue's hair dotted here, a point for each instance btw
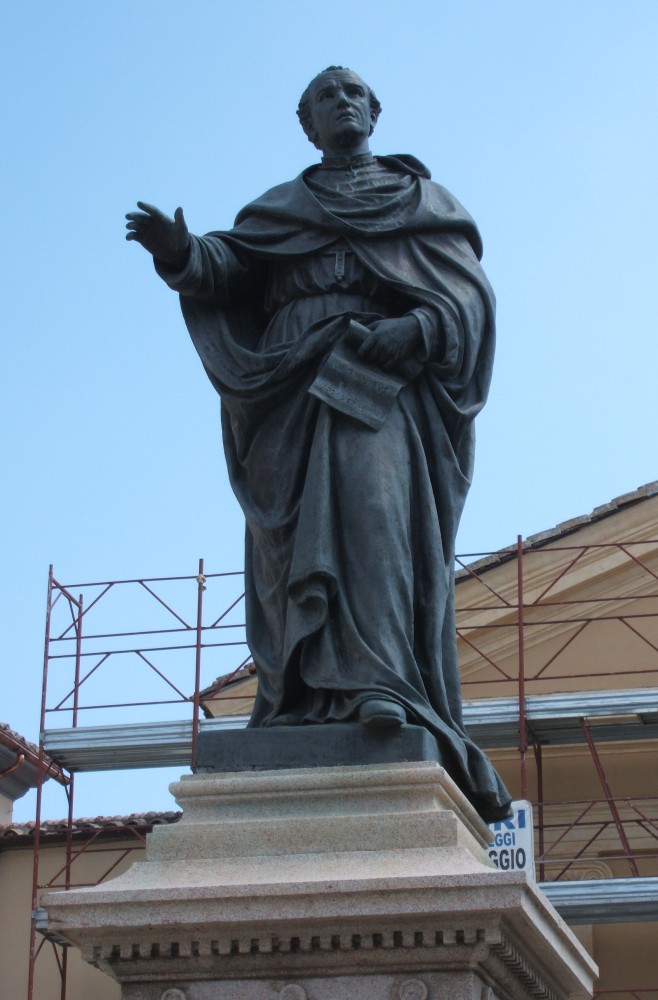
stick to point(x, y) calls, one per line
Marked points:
point(304, 108)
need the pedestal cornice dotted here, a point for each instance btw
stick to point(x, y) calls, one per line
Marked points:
point(315, 876)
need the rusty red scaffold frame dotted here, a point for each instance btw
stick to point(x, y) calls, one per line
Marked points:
point(194, 638)
point(586, 615)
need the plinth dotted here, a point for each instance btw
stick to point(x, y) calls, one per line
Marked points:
point(323, 883)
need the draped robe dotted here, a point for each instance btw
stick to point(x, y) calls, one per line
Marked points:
point(350, 531)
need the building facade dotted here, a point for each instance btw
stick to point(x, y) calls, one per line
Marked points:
point(558, 640)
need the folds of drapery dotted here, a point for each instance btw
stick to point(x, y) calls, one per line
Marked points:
point(350, 530)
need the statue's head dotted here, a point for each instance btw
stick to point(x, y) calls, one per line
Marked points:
point(338, 111)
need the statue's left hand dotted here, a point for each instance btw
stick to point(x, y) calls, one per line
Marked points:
point(391, 341)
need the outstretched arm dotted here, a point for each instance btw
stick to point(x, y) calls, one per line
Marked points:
point(168, 240)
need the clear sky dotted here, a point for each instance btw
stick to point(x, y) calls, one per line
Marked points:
point(541, 118)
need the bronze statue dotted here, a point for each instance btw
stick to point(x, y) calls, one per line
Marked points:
point(349, 329)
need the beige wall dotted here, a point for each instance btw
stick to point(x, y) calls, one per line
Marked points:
point(84, 982)
point(6, 810)
point(626, 956)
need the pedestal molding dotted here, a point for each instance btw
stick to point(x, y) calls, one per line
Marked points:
point(386, 887)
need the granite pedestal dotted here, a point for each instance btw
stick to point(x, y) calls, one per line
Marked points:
point(323, 883)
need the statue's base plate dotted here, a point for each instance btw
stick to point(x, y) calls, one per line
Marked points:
point(330, 745)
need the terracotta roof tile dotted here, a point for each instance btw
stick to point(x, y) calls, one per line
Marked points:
point(543, 536)
point(226, 680)
point(573, 522)
point(10, 736)
point(55, 828)
point(605, 508)
point(30, 751)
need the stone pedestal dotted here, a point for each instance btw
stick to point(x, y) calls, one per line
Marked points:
point(323, 883)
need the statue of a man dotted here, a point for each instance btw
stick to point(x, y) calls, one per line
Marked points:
point(349, 329)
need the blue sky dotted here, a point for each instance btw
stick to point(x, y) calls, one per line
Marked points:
point(540, 118)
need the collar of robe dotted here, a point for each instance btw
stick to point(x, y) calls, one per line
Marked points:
point(347, 162)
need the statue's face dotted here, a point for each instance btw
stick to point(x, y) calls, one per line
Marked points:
point(339, 104)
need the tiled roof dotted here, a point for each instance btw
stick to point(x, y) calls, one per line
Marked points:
point(561, 530)
point(19, 746)
point(226, 680)
point(55, 829)
point(16, 742)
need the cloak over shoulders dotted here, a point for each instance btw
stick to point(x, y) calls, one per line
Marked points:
point(429, 208)
point(350, 530)
point(418, 240)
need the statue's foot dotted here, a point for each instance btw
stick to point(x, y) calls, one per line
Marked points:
point(380, 713)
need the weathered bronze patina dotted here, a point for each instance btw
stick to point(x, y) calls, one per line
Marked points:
point(349, 329)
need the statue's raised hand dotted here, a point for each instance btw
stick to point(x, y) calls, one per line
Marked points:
point(167, 239)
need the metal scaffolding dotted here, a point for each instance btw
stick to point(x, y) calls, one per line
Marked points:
point(124, 650)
